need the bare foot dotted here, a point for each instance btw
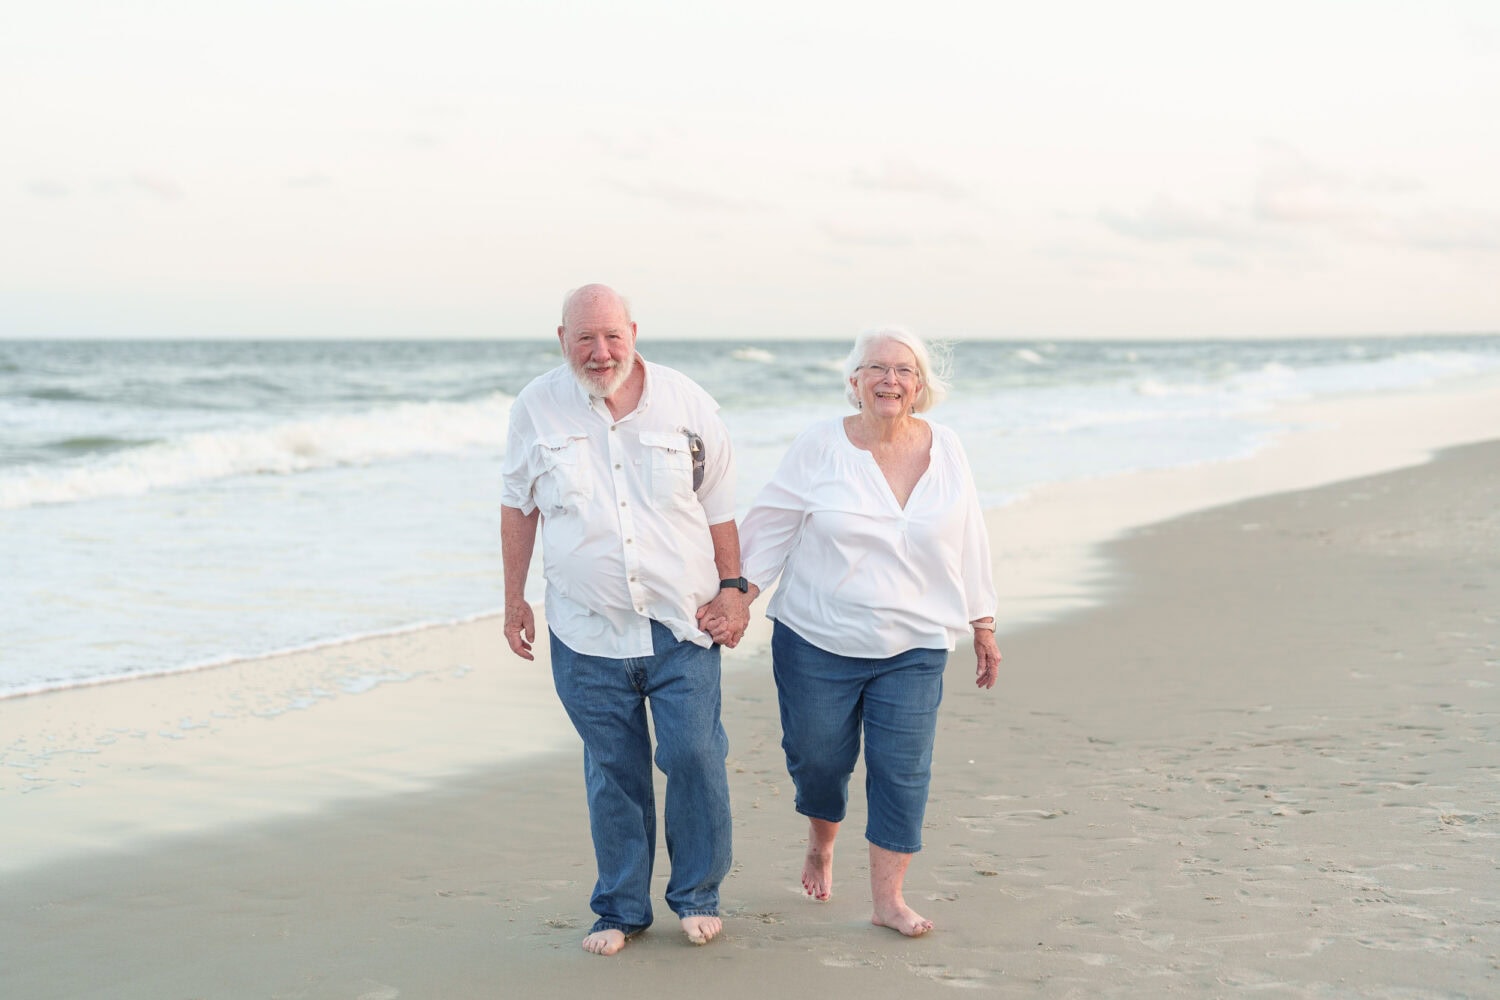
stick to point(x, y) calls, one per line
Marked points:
point(817, 874)
point(903, 918)
point(701, 930)
point(887, 876)
point(817, 868)
point(605, 942)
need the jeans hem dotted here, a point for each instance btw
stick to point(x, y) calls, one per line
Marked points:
point(825, 819)
point(629, 930)
point(697, 912)
point(889, 846)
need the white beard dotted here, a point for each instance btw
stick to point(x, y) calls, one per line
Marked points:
point(611, 385)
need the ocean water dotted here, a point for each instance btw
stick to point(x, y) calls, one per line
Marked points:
point(169, 505)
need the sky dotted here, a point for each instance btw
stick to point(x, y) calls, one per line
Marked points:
point(1071, 169)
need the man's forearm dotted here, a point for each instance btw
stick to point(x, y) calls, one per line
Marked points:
point(517, 541)
point(726, 539)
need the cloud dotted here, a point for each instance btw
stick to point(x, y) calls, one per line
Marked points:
point(1165, 219)
point(903, 177)
point(888, 239)
point(1450, 230)
point(159, 187)
point(896, 238)
point(47, 187)
point(634, 147)
point(315, 179)
point(685, 198)
point(1294, 199)
point(1292, 191)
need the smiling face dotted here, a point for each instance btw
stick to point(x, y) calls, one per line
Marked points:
point(598, 339)
point(888, 380)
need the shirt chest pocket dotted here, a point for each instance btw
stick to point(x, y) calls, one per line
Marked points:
point(669, 466)
point(564, 480)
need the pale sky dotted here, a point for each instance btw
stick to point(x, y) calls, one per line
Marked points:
point(773, 169)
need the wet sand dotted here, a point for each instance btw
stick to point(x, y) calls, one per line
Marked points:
point(1263, 765)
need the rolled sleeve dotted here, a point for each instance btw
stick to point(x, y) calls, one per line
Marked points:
point(517, 477)
point(717, 494)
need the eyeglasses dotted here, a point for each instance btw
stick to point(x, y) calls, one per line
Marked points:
point(902, 372)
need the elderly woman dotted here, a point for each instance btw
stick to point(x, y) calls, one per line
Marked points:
point(873, 524)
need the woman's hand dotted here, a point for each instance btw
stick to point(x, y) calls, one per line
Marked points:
point(986, 658)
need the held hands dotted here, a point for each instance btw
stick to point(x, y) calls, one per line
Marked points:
point(986, 658)
point(520, 628)
point(726, 617)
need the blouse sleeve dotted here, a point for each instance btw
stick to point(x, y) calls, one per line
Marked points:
point(978, 568)
point(773, 525)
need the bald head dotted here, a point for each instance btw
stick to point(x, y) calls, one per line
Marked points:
point(591, 296)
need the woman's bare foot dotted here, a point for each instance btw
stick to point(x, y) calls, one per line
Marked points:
point(605, 942)
point(902, 918)
point(887, 876)
point(701, 930)
point(817, 867)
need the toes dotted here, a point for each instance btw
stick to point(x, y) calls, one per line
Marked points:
point(701, 930)
point(604, 942)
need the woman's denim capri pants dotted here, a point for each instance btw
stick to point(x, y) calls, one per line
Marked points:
point(827, 700)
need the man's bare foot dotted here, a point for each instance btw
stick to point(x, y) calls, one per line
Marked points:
point(605, 942)
point(903, 918)
point(702, 929)
point(817, 874)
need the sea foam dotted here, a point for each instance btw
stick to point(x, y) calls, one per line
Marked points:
point(378, 435)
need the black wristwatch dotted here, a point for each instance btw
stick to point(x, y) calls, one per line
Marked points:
point(738, 583)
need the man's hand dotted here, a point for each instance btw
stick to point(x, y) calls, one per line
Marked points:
point(520, 628)
point(726, 617)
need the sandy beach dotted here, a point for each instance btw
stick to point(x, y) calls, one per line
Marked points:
point(1246, 750)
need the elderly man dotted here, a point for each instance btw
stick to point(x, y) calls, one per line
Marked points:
point(627, 467)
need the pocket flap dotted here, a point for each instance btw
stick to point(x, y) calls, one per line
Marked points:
point(665, 439)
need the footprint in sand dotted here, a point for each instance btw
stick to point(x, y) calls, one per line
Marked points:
point(850, 962)
point(973, 979)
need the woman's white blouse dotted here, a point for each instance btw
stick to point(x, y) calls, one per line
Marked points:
point(860, 575)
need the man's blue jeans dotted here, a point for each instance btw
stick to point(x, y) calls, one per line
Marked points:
point(606, 699)
point(827, 700)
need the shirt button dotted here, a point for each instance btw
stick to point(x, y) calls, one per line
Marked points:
point(617, 465)
point(629, 541)
point(622, 503)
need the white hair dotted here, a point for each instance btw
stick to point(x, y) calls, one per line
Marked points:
point(933, 362)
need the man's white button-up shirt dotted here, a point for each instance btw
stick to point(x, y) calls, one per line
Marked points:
point(624, 532)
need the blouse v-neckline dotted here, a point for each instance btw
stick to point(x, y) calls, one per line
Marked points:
point(890, 490)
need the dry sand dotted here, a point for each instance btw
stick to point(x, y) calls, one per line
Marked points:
point(1266, 765)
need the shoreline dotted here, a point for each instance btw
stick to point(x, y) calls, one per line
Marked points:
point(369, 717)
point(1279, 466)
point(1264, 764)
